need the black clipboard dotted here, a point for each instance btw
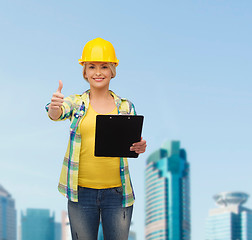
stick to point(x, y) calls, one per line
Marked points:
point(115, 134)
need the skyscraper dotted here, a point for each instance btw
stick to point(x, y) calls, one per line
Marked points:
point(57, 231)
point(8, 219)
point(132, 236)
point(230, 221)
point(167, 190)
point(37, 224)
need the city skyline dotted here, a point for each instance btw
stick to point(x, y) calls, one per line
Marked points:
point(171, 148)
point(186, 66)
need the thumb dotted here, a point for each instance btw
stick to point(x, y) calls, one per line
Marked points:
point(60, 86)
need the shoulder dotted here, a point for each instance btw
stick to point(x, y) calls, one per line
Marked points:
point(79, 97)
point(118, 98)
point(127, 106)
point(127, 101)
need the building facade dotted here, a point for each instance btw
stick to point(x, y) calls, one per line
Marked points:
point(57, 231)
point(167, 194)
point(132, 236)
point(230, 221)
point(37, 224)
point(8, 219)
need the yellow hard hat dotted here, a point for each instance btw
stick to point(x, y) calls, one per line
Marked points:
point(98, 50)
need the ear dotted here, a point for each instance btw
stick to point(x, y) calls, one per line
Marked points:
point(84, 73)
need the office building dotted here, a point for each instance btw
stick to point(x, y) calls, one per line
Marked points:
point(37, 224)
point(167, 194)
point(231, 220)
point(8, 219)
point(57, 231)
point(132, 236)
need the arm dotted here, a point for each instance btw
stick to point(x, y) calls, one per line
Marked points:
point(60, 108)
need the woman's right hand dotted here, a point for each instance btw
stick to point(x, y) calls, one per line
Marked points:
point(56, 103)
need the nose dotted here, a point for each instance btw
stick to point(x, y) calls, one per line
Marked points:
point(98, 72)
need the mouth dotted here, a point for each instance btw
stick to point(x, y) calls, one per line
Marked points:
point(98, 79)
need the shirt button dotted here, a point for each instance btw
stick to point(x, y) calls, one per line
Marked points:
point(121, 169)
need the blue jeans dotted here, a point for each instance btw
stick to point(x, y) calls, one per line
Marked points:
point(84, 215)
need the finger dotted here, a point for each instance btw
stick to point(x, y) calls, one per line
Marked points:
point(60, 86)
point(139, 149)
point(56, 99)
point(56, 103)
point(136, 149)
point(54, 107)
point(139, 143)
point(133, 149)
point(140, 152)
point(58, 95)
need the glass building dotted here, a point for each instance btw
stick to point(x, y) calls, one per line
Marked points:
point(37, 224)
point(8, 219)
point(167, 194)
point(230, 221)
point(57, 231)
point(132, 236)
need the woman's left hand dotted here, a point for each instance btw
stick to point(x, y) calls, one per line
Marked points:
point(139, 147)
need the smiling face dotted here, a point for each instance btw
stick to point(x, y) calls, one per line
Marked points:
point(98, 74)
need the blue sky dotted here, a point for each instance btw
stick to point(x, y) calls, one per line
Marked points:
point(186, 66)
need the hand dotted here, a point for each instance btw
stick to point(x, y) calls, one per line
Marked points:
point(57, 98)
point(139, 147)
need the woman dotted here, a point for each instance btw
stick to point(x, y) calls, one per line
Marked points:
point(95, 186)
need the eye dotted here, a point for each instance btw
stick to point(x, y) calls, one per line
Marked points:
point(91, 67)
point(104, 67)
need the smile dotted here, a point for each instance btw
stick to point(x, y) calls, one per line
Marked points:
point(98, 79)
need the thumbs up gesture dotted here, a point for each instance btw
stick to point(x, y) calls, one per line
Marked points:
point(57, 98)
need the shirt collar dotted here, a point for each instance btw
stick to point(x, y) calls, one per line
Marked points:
point(85, 98)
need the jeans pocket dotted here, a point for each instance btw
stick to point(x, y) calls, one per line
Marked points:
point(118, 190)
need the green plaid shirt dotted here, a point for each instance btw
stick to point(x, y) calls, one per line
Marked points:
point(74, 108)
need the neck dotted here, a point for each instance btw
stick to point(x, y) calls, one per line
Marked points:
point(99, 94)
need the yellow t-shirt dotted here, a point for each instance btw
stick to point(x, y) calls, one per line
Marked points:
point(96, 172)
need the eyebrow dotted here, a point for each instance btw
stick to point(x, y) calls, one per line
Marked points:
point(101, 64)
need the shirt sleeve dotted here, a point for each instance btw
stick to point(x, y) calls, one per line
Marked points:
point(67, 108)
point(132, 109)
